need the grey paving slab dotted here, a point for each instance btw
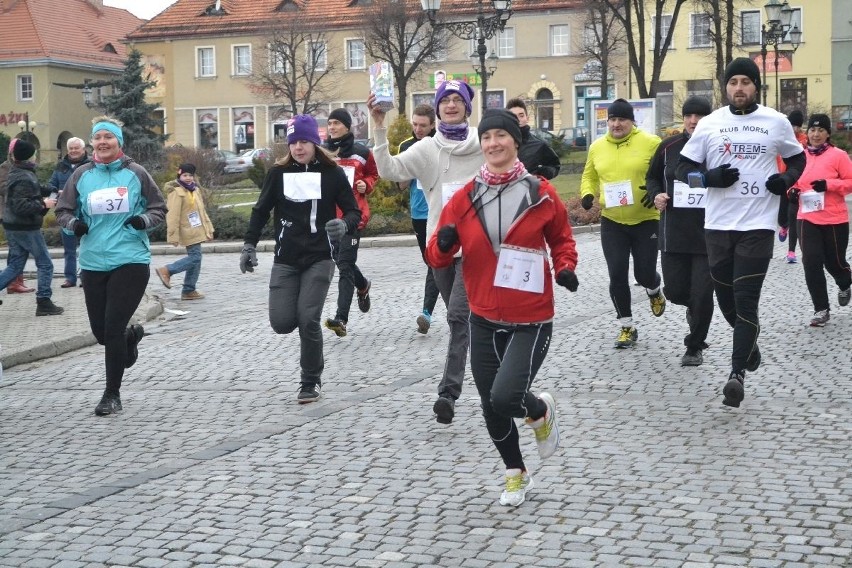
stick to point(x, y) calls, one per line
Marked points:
point(213, 463)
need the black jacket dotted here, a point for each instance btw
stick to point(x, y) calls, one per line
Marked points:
point(681, 229)
point(537, 156)
point(63, 171)
point(25, 208)
point(300, 237)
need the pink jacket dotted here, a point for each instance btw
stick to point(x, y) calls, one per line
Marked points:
point(835, 167)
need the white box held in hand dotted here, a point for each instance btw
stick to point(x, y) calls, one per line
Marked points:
point(381, 84)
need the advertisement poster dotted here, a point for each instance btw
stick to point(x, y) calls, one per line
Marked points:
point(644, 113)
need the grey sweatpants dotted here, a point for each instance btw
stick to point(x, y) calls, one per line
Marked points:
point(296, 298)
point(451, 285)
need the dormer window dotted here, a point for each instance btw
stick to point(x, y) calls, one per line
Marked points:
point(215, 9)
point(109, 48)
point(287, 6)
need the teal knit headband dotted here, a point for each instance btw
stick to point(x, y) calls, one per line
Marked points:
point(109, 127)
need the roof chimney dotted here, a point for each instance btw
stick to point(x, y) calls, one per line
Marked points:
point(97, 4)
point(218, 5)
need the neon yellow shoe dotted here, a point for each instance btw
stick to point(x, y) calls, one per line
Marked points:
point(546, 428)
point(518, 482)
point(658, 303)
point(627, 337)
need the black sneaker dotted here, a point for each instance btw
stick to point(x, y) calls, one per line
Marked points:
point(734, 390)
point(109, 404)
point(754, 359)
point(338, 326)
point(364, 297)
point(133, 335)
point(692, 358)
point(444, 409)
point(45, 307)
point(843, 296)
point(309, 393)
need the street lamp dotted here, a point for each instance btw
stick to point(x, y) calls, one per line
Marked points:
point(777, 26)
point(26, 124)
point(481, 29)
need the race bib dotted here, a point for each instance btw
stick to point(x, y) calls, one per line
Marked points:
point(418, 184)
point(302, 186)
point(350, 175)
point(812, 201)
point(109, 201)
point(689, 197)
point(449, 189)
point(194, 219)
point(618, 193)
point(521, 269)
point(749, 186)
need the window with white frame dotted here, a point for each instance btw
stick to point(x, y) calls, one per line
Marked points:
point(356, 57)
point(700, 88)
point(750, 27)
point(317, 55)
point(278, 55)
point(205, 58)
point(242, 60)
point(699, 30)
point(506, 43)
point(795, 21)
point(25, 87)
point(665, 25)
point(592, 35)
point(413, 41)
point(559, 40)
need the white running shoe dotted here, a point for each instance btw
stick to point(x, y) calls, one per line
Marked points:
point(518, 482)
point(546, 429)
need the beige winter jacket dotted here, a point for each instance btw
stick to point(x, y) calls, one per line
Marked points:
point(186, 208)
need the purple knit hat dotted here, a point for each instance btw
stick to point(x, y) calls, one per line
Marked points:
point(463, 89)
point(303, 127)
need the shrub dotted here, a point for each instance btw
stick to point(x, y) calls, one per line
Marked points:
point(399, 130)
point(578, 216)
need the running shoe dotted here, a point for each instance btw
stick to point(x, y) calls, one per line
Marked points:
point(309, 393)
point(820, 318)
point(782, 234)
point(843, 296)
point(109, 404)
point(364, 297)
point(627, 337)
point(754, 359)
point(658, 303)
point(518, 482)
point(424, 322)
point(444, 409)
point(692, 358)
point(338, 326)
point(734, 390)
point(133, 335)
point(546, 428)
point(791, 258)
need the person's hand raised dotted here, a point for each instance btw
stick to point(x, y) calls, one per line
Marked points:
point(376, 113)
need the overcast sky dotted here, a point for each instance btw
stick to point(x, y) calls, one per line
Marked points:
point(146, 9)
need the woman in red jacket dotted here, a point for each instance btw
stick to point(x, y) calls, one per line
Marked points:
point(823, 218)
point(503, 221)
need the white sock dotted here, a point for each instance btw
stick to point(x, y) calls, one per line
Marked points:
point(653, 292)
point(625, 322)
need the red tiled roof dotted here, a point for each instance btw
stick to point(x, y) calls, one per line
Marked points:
point(69, 31)
point(187, 18)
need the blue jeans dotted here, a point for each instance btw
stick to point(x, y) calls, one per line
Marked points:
point(69, 244)
point(21, 245)
point(191, 264)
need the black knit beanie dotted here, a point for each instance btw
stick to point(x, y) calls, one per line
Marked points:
point(743, 66)
point(186, 169)
point(696, 105)
point(820, 120)
point(501, 118)
point(343, 116)
point(796, 118)
point(620, 108)
point(23, 151)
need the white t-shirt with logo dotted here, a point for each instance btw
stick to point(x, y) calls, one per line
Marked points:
point(751, 144)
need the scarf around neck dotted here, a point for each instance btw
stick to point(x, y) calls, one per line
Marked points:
point(515, 172)
point(191, 186)
point(455, 132)
point(816, 151)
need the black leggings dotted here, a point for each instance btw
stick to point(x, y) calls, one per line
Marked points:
point(688, 284)
point(619, 242)
point(111, 299)
point(430, 291)
point(824, 247)
point(738, 264)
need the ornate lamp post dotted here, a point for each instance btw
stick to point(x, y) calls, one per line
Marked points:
point(27, 124)
point(777, 26)
point(481, 29)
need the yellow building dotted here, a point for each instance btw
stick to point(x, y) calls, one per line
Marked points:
point(205, 53)
point(46, 57)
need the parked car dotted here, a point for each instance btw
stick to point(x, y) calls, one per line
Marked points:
point(242, 163)
point(575, 137)
point(544, 135)
point(844, 123)
point(222, 157)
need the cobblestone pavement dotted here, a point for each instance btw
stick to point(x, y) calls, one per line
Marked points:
point(213, 464)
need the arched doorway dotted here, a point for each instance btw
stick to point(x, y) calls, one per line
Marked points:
point(544, 109)
point(61, 142)
point(30, 137)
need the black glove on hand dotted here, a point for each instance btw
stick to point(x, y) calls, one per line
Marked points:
point(80, 228)
point(248, 258)
point(587, 201)
point(793, 195)
point(567, 279)
point(819, 185)
point(723, 176)
point(335, 229)
point(136, 222)
point(447, 237)
point(776, 184)
point(647, 200)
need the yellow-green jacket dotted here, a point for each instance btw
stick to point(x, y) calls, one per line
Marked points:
point(185, 208)
point(611, 161)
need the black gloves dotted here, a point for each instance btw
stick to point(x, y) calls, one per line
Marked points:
point(587, 201)
point(723, 176)
point(448, 236)
point(793, 195)
point(136, 222)
point(80, 228)
point(248, 258)
point(647, 200)
point(567, 279)
point(819, 185)
point(776, 184)
point(335, 229)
